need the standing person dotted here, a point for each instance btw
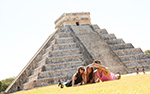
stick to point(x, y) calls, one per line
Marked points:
point(77, 78)
point(143, 69)
point(137, 70)
point(103, 73)
point(89, 75)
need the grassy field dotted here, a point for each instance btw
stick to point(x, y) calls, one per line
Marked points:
point(133, 84)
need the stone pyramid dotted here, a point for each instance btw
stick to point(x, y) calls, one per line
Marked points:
point(76, 42)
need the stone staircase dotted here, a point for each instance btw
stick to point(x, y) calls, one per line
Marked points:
point(60, 61)
point(62, 57)
point(76, 42)
point(130, 56)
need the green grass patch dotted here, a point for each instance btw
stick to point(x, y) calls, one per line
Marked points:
point(135, 84)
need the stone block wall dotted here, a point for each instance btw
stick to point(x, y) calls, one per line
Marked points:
point(22, 78)
point(98, 48)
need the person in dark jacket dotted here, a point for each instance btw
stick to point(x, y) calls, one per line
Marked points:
point(77, 79)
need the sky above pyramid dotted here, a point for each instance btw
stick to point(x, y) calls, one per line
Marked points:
point(25, 25)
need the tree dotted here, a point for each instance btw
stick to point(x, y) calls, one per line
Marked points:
point(0, 85)
point(5, 83)
point(147, 51)
point(3, 87)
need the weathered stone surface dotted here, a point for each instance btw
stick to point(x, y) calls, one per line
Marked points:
point(52, 80)
point(98, 48)
point(65, 52)
point(135, 57)
point(131, 51)
point(101, 31)
point(115, 41)
point(108, 36)
point(76, 42)
point(58, 66)
point(121, 46)
point(61, 72)
point(64, 40)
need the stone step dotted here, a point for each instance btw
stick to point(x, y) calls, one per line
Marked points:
point(64, 40)
point(65, 52)
point(115, 41)
point(131, 51)
point(64, 29)
point(55, 67)
point(36, 70)
point(45, 55)
point(133, 69)
point(134, 57)
point(28, 85)
point(77, 60)
point(95, 27)
point(121, 46)
point(138, 63)
point(52, 80)
point(131, 65)
point(134, 65)
point(49, 48)
point(76, 57)
point(42, 62)
point(108, 36)
point(64, 46)
point(35, 74)
point(62, 72)
point(101, 31)
point(64, 34)
point(32, 77)
point(59, 66)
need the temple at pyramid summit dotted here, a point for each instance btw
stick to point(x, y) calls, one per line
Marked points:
point(77, 42)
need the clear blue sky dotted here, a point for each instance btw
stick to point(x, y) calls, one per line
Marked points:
point(26, 24)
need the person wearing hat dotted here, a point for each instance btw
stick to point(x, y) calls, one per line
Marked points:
point(103, 73)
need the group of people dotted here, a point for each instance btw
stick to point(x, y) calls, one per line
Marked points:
point(137, 70)
point(89, 76)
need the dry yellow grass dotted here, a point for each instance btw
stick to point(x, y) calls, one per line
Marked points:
point(135, 84)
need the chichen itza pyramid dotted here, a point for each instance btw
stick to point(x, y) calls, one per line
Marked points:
point(76, 42)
